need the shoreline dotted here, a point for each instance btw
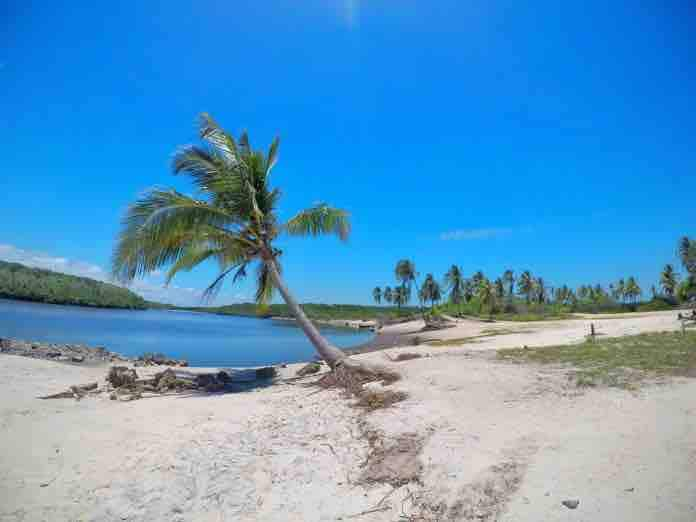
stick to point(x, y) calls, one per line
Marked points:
point(81, 355)
point(352, 324)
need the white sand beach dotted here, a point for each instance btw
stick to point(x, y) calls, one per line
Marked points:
point(497, 440)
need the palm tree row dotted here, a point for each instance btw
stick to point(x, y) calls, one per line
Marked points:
point(534, 290)
point(460, 289)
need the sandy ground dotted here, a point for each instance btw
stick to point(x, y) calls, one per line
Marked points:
point(500, 441)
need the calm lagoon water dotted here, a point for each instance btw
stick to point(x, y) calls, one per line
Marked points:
point(202, 339)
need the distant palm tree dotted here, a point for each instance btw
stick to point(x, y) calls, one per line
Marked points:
point(236, 224)
point(582, 292)
point(653, 292)
point(387, 295)
point(477, 278)
point(509, 279)
point(455, 285)
point(632, 290)
point(597, 293)
point(669, 280)
point(377, 294)
point(540, 290)
point(405, 273)
point(499, 288)
point(525, 285)
point(469, 290)
point(486, 295)
point(399, 296)
point(430, 291)
point(563, 295)
point(621, 290)
point(687, 254)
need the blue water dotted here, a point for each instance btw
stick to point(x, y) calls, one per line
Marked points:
point(202, 339)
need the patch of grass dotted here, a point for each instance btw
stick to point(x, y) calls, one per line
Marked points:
point(532, 317)
point(621, 361)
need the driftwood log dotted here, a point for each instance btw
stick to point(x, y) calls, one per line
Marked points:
point(126, 385)
point(76, 392)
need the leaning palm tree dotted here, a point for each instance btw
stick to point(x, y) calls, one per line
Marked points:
point(377, 294)
point(669, 280)
point(234, 223)
point(456, 285)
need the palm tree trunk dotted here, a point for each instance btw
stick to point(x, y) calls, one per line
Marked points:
point(332, 355)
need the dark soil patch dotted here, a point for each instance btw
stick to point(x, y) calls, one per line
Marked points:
point(407, 356)
point(392, 461)
point(372, 400)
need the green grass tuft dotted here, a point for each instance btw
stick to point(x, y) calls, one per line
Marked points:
point(621, 361)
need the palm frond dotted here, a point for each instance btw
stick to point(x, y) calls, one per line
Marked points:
point(320, 220)
point(215, 135)
point(212, 291)
point(160, 226)
point(164, 210)
point(191, 258)
point(272, 156)
point(208, 170)
point(244, 147)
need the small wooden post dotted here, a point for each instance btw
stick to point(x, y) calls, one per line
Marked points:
point(592, 331)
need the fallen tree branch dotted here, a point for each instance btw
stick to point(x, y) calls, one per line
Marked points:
point(368, 511)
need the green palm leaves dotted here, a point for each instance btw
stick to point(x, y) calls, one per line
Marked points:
point(318, 220)
point(232, 222)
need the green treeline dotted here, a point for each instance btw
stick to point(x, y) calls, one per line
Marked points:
point(35, 284)
point(317, 312)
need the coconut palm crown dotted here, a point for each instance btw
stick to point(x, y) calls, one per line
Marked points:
point(234, 220)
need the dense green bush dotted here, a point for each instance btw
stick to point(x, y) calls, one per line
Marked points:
point(34, 284)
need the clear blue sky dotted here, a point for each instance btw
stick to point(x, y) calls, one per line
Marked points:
point(558, 137)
